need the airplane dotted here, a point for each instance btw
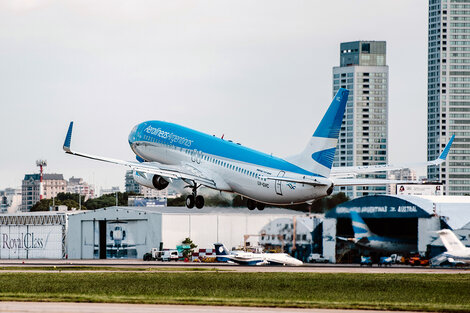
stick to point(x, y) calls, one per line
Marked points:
point(457, 252)
point(363, 237)
point(250, 258)
point(167, 151)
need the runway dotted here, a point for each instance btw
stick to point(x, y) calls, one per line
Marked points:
point(138, 265)
point(67, 307)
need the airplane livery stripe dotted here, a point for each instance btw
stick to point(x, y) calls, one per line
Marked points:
point(186, 138)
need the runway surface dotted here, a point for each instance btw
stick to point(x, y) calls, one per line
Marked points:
point(175, 266)
point(66, 307)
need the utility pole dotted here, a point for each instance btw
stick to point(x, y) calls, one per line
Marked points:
point(41, 164)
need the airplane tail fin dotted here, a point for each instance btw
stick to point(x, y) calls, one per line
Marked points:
point(220, 249)
point(450, 240)
point(220, 252)
point(359, 226)
point(317, 157)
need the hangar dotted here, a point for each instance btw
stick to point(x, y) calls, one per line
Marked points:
point(33, 235)
point(414, 218)
point(130, 232)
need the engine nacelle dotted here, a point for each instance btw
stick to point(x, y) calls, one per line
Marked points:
point(150, 180)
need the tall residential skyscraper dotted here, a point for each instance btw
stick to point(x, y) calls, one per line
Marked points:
point(449, 92)
point(363, 139)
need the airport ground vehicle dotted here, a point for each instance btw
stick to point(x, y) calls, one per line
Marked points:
point(366, 261)
point(316, 258)
point(418, 260)
point(385, 261)
point(164, 255)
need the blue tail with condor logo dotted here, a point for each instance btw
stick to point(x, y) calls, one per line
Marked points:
point(319, 153)
point(359, 226)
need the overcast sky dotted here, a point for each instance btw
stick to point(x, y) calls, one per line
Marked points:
point(259, 72)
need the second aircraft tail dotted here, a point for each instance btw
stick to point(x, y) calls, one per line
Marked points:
point(359, 226)
point(450, 241)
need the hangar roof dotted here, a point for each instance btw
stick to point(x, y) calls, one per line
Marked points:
point(205, 210)
point(456, 209)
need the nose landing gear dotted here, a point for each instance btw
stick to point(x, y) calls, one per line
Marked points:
point(194, 199)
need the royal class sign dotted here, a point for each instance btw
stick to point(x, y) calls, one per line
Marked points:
point(31, 241)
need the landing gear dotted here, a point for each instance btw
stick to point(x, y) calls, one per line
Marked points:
point(190, 201)
point(252, 204)
point(193, 199)
point(199, 201)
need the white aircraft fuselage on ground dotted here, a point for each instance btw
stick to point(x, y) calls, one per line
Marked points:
point(250, 258)
point(456, 252)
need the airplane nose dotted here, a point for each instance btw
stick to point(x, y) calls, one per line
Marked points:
point(133, 134)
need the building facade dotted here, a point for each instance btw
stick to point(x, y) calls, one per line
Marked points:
point(363, 139)
point(449, 92)
point(79, 186)
point(30, 189)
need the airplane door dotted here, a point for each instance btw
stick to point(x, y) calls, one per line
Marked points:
point(277, 184)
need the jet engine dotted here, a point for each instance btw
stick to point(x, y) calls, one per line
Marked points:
point(150, 180)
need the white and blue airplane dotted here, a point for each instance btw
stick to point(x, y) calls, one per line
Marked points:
point(250, 258)
point(457, 252)
point(365, 238)
point(167, 151)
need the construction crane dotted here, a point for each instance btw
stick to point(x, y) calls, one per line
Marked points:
point(41, 164)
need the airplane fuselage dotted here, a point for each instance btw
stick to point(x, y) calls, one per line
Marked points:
point(233, 168)
point(389, 245)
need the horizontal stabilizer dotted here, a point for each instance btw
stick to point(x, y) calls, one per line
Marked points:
point(367, 182)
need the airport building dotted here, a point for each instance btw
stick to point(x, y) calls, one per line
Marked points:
point(33, 235)
point(363, 139)
point(130, 232)
point(449, 93)
point(409, 218)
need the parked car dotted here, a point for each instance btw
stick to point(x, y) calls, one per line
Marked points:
point(316, 258)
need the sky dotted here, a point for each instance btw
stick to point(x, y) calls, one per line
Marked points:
point(259, 72)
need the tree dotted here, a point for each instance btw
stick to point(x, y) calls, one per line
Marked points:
point(108, 200)
point(45, 204)
point(188, 252)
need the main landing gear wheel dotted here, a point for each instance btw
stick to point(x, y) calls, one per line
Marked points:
point(194, 199)
point(199, 201)
point(190, 201)
point(260, 206)
point(251, 204)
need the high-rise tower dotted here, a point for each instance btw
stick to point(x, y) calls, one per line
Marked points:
point(363, 139)
point(449, 92)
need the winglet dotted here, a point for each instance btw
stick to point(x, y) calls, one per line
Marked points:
point(68, 138)
point(445, 152)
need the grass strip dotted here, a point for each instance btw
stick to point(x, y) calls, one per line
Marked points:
point(109, 268)
point(417, 292)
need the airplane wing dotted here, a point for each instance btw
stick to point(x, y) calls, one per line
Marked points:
point(352, 171)
point(185, 172)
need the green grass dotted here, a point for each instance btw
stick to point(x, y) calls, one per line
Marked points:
point(421, 292)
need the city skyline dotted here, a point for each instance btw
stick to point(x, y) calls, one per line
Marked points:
point(233, 69)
